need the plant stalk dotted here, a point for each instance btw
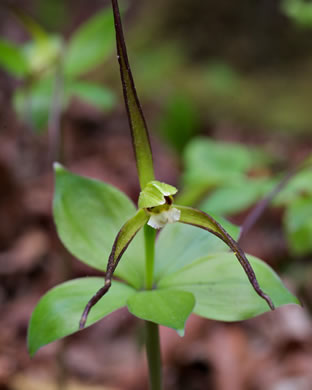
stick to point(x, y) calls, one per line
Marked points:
point(56, 147)
point(153, 355)
point(151, 329)
point(149, 238)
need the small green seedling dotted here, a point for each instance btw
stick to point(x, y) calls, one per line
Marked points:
point(47, 63)
point(190, 270)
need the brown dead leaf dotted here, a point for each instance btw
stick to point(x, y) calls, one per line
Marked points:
point(24, 382)
point(25, 253)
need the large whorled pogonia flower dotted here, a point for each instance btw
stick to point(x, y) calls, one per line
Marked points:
point(185, 271)
point(156, 199)
point(156, 207)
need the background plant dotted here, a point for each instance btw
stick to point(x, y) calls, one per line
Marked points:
point(48, 66)
point(227, 179)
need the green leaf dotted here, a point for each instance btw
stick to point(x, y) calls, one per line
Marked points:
point(91, 44)
point(298, 222)
point(12, 59)
point(214, 163)
point(33, 104)
point(179, 245)
point(58, 312)
point(153, 194)
point(300, 184)
point(140, 137)
point(222, 290)
point(98, 96)
point(165, 307)
point(88, 216)
point(236, 197)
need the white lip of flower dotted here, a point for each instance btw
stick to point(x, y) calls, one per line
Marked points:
point(158, 221)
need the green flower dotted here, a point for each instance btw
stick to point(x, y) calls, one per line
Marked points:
point(156, 198)
point(194, 272)
point(156, 209)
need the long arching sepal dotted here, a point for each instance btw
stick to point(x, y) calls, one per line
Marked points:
point(139, 132)
point(121, 243)
point(202, 220)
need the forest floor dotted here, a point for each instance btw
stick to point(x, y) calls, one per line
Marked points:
point(271, 352)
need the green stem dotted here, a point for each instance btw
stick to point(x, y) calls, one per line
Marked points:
point(149, 236)
point(151, 329)
point(153, 355)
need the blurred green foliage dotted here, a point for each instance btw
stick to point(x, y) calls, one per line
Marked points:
point(180, 121)
point(211, 165)
point(47, 60)
point(298, 225)
point(296, 199)
point(90, 45)
point(12, 59)
point(298, 10)
point(228, 178)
